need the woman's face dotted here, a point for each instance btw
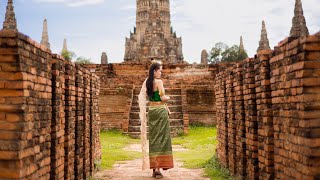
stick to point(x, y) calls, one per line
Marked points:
point(157, 73)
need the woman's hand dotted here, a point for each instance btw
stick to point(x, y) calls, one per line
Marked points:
point(165, 98)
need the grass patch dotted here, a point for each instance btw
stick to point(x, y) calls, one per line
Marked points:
point(201, 142)
point(215, 171)
point(112, 143)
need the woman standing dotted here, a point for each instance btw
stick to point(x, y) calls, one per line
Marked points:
point(160, 148)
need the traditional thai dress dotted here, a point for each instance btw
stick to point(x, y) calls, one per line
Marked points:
point(160, 148)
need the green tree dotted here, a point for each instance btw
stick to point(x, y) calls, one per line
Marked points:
point(223, 53)
point(68, 55)
point(83, 60)
point(216, 52)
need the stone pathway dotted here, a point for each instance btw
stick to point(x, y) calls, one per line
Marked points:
point(131, 170)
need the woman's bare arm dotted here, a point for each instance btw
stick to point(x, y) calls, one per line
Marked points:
point(162, 91)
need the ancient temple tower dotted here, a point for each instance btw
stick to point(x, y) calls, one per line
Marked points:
point(10, 19)
point(65, 47)
point(264, 41)
point(104, 58)
point(153, 36)
point(299, 27)
point(204, 57)
point(241, 46)
point(45, 36)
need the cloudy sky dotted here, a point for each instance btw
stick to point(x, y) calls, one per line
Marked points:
point(94, 26)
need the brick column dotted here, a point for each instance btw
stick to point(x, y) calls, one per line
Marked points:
point(295, 96)
point(222, 126)
point(79, 140)
point(96, 123)
point(231, 123)
point(58, 119)
point(25, 107)
point(264, 115)
point(70, 113)
point(250, 118)
point(86, 124)
point(240, 121)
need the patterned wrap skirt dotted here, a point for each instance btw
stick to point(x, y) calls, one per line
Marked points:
point(160, 148)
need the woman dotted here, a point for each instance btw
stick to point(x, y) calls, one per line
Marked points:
point(160, 148)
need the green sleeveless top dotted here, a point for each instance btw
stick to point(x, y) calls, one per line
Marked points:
point(155, 97)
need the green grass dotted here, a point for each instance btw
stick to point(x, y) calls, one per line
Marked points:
point(112, 143)
point(201, 142)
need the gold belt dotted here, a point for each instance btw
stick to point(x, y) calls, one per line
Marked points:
point(152, 103)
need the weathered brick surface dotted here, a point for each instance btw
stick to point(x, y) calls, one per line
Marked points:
point(251, 122)
point(120, 81)
point(95, 153)
point(231, 121)
point(37, 113)
point(241, 158)
point(276, 112)
point(295, 68)
point(264, 115)
point(79, 129)
point(70, 107)
point(25, 108)
point(58, 119)
point(201, 104)
point(115, 104)
point(222, 126)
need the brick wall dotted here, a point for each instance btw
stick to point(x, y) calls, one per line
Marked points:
point(268, 112)
point(119, 80)
point(115, 103)
point(47, 116)
point(201, 104)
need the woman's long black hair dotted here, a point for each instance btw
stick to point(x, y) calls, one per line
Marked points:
point(149, 83)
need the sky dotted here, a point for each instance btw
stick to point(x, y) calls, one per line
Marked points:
point(94, 26)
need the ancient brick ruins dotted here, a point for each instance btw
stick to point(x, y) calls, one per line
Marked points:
point(268, 109)
point(49, 116)
point(49, 120)
point(268, 112)
point(153, 36)
point(190, 87)
point(48, 112)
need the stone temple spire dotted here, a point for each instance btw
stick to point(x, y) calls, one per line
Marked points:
point(299, 27)
point(10, 19)
point(241, 46)
point(153, 36)
point(65, 48)
point(264, 41)
point(104, 58)
point(45, 36)
point(204, 57)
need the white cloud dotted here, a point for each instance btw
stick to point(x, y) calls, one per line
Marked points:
point(72, 3)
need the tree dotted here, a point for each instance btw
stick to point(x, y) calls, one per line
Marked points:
point(223, 53)
point(68, 55)
point(83, 60)
point(216, 52)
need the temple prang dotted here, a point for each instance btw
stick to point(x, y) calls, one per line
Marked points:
point(204, 57)
point(299, 27)
point(45, 36)
point(241, 46)
point(10, 19)
point(153, 36)
point(264, 41)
